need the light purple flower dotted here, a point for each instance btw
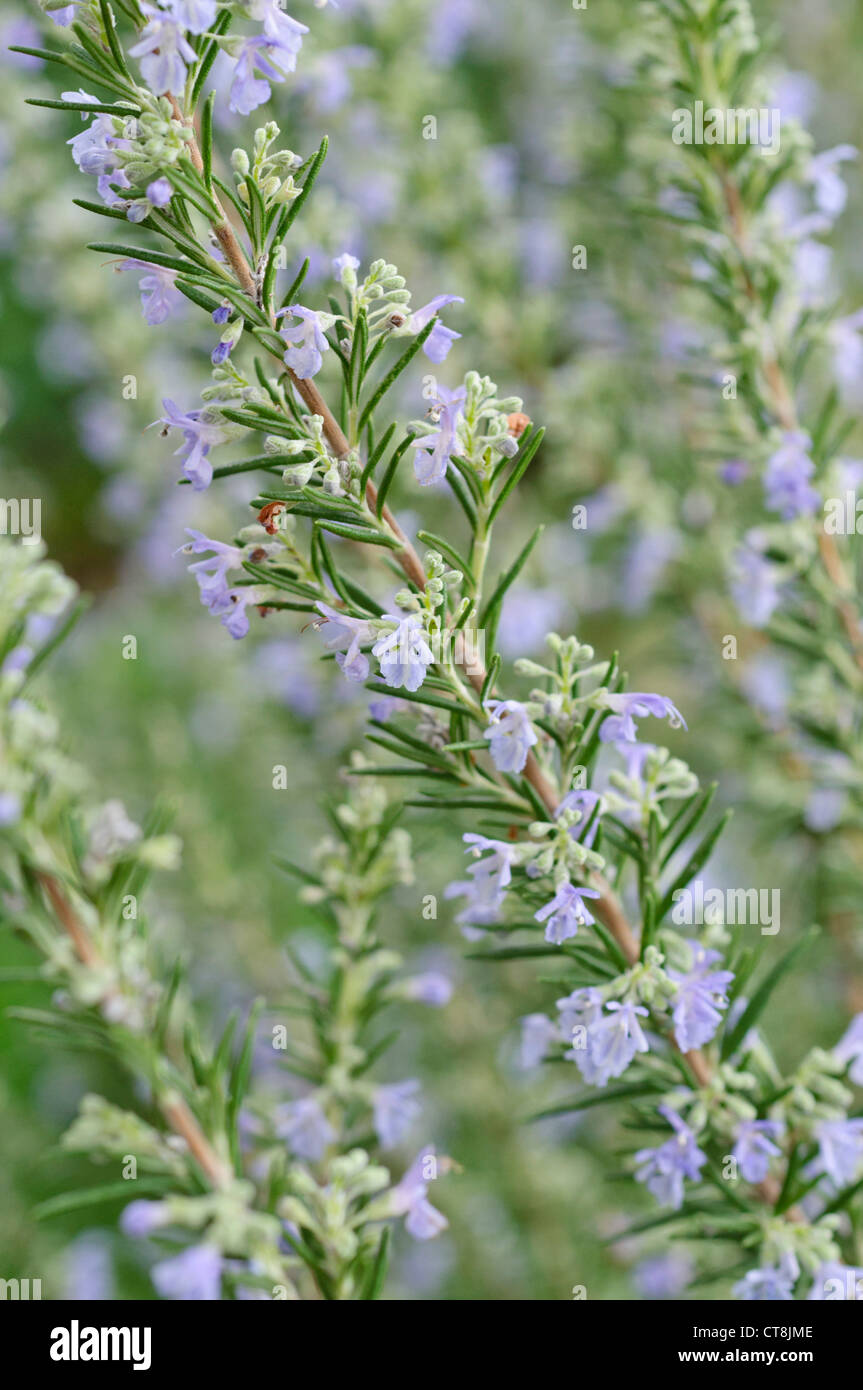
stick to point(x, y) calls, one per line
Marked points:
point(344, 636)
point(164, 51)
point(616, 1038)
point(194, 15)
point(430, 988)
point(234, 618)
point(410, 1199)
point(199, 436)
point(840, 1149)
point(404, 654)
point(273, 54)
point(141, 1218)
point(566, 913)
point(248, 92)
point(395, 1108)
point(828, 186)
point(345, 267)
point(435, 450)
point(160, 192)
point(850, 1049)
point(306, 342)
point(528, 614)
point(305, 1128)
point(770, 1285)
point(755, 583)
point(64, 16)
point(383, 707)
point(159, 296)
point(579, 1014)
point(211, 573)
point(701, 994)
point(94, 150)
point(625, 709)
point(663, 1170)
point(441, 339)
point(734, 472)
point(847, 346)
point(510, 733)
point(786, 477)
point(663, 1276)
point(195, 1276)
point(489, 879)
point(754, 1147)
point(278, 25)
point(538, 1034)
point(106, 186)
point(10, 809)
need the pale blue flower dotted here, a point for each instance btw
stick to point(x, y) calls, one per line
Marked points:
point(344, 636)
point(770, 1285)
point(346, 267)
point(755, 582)
point(510, 733)
point(435, 450)
point(828, 186)
point(194, 15)
point(579, 1014)
point(395, 1108)
point(664, 1276)
point(305, 1128)
point(160, 192)
point(701, 994)
point(163, 50)
point(754, 1147)
point(211, 573)
point(489, 879)
point(94, 150)
point(404, 653)
point(199, 436)
point(625, 709)
point(306, 342)
point(159, 295)
point(566, 913)
point(538, 1034)
point(850, 1049)
point(410, 1199)
point(234, 618)
point(280, 27)
point(432, 988)
point(194, 1276)
point(840, 1149)
point(786, 478)
point(663, 1170)
point(141, 1218)
point(615, 1039)
point(440, 340)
